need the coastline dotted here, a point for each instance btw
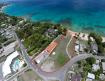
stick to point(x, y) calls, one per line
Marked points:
point(3, 7)
point(27, 17)
point(82, 35)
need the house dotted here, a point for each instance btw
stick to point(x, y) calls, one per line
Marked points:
point(51, 47)
point(95, 67)
point(94, 47)
point(44, 54)
point(91, 76)
point(79, 47)
point(103, 67)
point(51, 32)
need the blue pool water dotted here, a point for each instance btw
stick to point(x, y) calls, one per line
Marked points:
point(82, 15)
point(16, 65)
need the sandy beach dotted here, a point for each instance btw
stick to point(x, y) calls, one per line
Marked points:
point(83, 36)
point(3, 7)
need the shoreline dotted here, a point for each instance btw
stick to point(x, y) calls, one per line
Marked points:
point(70, 30)
point(3, 5)
point(82, 34)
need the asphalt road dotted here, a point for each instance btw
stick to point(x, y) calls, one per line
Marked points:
point(17, 74)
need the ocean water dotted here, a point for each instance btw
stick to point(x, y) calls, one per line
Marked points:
point(81, 15)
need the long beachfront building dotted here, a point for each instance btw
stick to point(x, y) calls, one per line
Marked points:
point(45, 53)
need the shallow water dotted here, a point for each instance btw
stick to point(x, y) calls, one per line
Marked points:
point(81, 15)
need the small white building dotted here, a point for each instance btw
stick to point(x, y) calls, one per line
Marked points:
point(91, 76)
point(42, 56)
point(95, 67)
point(103, 66)
point(98, 61)
point(94, 47)
point(77, 48)
point(102, 76)
point(88, 79)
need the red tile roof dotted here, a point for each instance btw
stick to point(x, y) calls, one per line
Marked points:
point(51, 47)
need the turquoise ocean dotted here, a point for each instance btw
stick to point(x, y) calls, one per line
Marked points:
point(81, 15)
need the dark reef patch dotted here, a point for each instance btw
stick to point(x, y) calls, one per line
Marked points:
point(67, 21)
point(88, 29)
point(99, 26)
point(46, 20)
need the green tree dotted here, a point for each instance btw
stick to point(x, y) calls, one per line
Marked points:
point(91, 60)
point(103, 44)
point(24, 65)
point(98, 40)
point(100, 48)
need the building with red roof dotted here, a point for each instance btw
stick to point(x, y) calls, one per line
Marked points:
point(51, 47)
point(45, 53)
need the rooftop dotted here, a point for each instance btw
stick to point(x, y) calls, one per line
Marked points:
point(41, 57)
point(6, 66)
point(91, 76)
point(44, 54)
point(51, 47)
point(95, 67)
point(103, 66)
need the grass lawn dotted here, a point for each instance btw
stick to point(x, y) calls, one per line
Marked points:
point(61, 48)
point(61, 59)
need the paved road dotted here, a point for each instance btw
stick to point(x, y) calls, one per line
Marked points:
point(57, 75)
point(17, 74)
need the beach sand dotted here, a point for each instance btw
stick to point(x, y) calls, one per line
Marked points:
point(86, 36)
point(83, 36)
point(3, 7)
